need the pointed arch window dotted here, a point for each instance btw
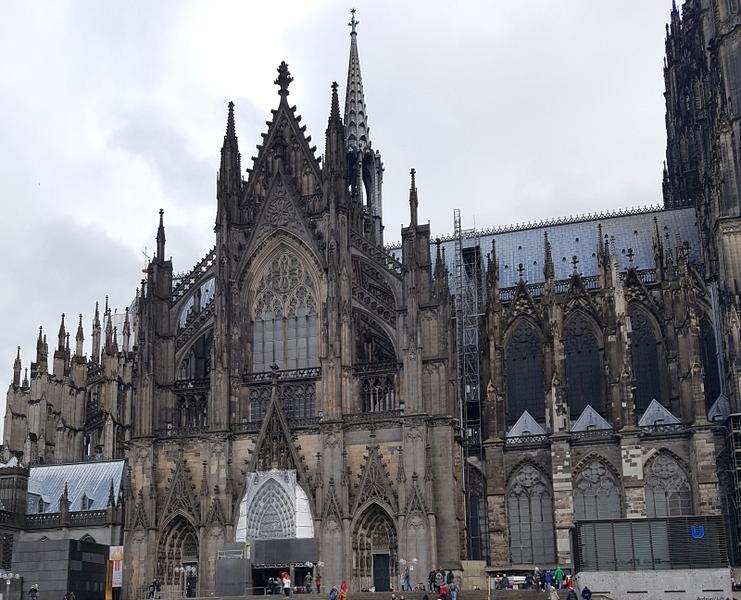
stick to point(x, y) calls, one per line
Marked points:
point(709, 360)
point(524, 372)
point(596, 493)
point(668, 492)
point(645, 359)
point(530, 509)
point(583, 366)
point(197, 363)
point(284, 326)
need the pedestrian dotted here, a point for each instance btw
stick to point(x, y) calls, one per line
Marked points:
point(406, 580)
point(548, 579)
point(318, 583)
point(307, 582)
point(586, 593)
point(528, 582)
point(33, 593)
point(505, 582)
point(439, 580)
point(558, 577)
point(157, 587)
point(431, 579)
point(343, 590)
point(449, 578)
point(286, 584)
point(552, 593)
point(454, 589)
point(151, 590)
point(571, 595)
point(333, 593)
point(569, 581)
point(71, 596)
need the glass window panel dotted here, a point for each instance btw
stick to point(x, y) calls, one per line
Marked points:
point(524, 373)
point(642, 546)
point(645, 358)
point(605, 546)
point(660, 545)
point(583, 366)
point(623, 546)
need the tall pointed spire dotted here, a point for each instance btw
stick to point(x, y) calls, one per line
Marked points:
point(127, 331)
point(356, 119)
point(161, 237)
point(230, 169)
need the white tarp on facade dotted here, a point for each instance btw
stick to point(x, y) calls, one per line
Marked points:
point(274, 506)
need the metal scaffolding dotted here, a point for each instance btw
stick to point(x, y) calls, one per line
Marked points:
point(469, 290)
point(733, 495)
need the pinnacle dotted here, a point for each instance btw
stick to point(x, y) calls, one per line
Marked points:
point(230, 138)
point(284, 79)
point(334, 111)
point(356, 119)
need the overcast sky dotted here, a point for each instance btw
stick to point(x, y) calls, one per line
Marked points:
point(509, 110)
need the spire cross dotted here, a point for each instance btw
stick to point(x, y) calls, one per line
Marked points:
point(521, 270)
point(631, 254)
point(353, 22)
point(413, 173)
point(575, 263)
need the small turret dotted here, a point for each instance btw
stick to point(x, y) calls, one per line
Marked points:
point(61, 335)
point(17, 369)
point(95, 352)
point(25, 383)
point(442, 290)
point(79, 339)
point(229, 181)
point(127, 330)
point(161, 237)
point(413, 200)
point(549, 271)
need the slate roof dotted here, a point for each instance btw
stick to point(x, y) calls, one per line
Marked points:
point(590, 419)
point(657, 414)
point(525, 425)
point(578, 236)
point(92, 479)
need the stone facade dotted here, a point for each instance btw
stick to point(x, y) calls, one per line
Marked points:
point(299, 343)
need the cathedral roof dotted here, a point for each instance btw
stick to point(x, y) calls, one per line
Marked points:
point(525, 425)
point(657, 414)
point(579, 236)
point(90, 479)
point(590, 419)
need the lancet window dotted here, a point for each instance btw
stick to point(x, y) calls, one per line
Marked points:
point(583, 366)
point(524, 372)
point(284, 322)
point(668, 492)
point(530, 509)
point(197, 363)
point(645, 356)
point(709, 360)
point(596, 493)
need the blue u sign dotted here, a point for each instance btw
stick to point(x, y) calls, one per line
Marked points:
point(697, 531)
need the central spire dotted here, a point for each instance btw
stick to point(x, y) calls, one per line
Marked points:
point(356, 120)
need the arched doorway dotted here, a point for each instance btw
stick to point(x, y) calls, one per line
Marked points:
point(375, 550)
point(177, 558)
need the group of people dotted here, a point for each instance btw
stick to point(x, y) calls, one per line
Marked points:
point(154, 589)
point(282, 584)
point(443, 583)
point(549, 581)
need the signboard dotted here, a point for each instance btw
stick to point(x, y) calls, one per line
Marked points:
point(115, 555)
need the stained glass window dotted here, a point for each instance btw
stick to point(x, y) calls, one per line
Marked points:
point(596, 493)
point(583, 366)
point(284, 329)
point(530, 508)
point(709, 359)
point(644, 346)
point(668, 492)
point(524, 373)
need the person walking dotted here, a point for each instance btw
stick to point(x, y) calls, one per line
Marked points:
point(439, 580)
point(343, 590)
point(308, 580)
point(548, 579)
point(571, 595)
point(286, 584)
point(33, 593)
point(558, 576)
point(333, 593)
point(586, 593)
point(431, 579)
point(318, 583)
point(552, 593)
point(454, 589)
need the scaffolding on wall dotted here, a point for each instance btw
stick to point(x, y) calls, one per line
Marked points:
point(732, 487)
point(469, 291)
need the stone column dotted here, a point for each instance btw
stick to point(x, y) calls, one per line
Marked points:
point(563, 497)
point(631, 456)
point(496, 502)
point(705, 488)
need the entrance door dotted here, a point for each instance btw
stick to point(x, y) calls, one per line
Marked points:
point(381, 575)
